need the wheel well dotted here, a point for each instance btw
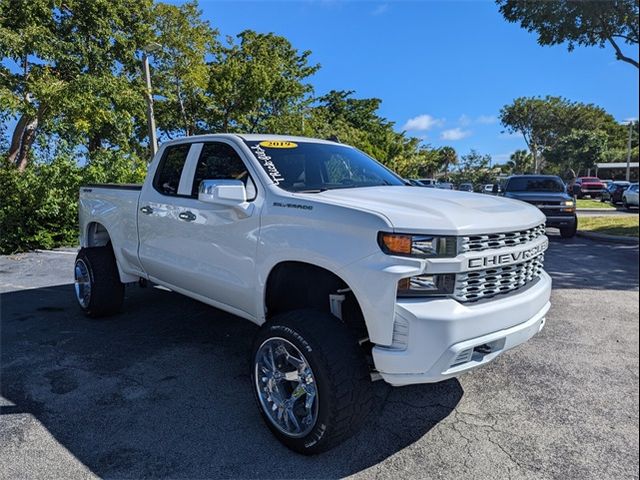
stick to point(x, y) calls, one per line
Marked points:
point(97, 235)
point(299, 285)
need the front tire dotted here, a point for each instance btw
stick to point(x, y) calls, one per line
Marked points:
point(311, 380)
point(98, 288)
point(570, 231)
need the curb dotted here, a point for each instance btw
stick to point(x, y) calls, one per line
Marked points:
point(597, 210)
point(608, 238)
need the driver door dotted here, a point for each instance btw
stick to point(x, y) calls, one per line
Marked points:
point(213, 247)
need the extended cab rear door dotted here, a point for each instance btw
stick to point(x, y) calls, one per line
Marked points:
point(204, 250)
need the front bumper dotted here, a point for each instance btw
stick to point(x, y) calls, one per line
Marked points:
point(558, 221)
point(444, 338)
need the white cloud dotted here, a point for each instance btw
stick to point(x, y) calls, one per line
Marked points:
point(455, 134)
point(464, 120)
point(487, 119)
point(380, 9)
point(421, 123)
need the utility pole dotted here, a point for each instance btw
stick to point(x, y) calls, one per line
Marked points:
point(629, 151)
point(151, 121)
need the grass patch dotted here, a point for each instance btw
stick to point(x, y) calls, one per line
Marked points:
point(591, 203)
point(626, 226)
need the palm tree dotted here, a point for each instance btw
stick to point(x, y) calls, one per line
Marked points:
point(521, 161)
point(447, 156)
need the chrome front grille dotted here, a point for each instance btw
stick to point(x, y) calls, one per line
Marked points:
point(474, 286)
point(477, 243)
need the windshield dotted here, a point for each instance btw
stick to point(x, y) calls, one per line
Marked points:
point(591, 179)
point(535, 184)
point(315, 167)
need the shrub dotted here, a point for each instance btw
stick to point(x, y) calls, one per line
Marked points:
point(39, 207)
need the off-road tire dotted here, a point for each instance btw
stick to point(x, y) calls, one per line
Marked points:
point(341, 373)
point(107, 291)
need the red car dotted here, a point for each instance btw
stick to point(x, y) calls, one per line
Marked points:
point(591, 186)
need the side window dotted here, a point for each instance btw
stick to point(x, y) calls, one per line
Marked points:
point(170, 167)
point(219, 161)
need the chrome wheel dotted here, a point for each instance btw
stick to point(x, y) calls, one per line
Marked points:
point(286, 387)
point(82, 281)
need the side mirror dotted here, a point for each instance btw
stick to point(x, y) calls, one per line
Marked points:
point(496, 189)
point(222, 192)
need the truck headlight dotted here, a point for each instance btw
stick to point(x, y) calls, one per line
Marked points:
point(421, 246)
point(569, 206)
point(425, 285)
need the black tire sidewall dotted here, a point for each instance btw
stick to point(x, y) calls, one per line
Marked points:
point(316, 435)
point(107, 292)
point(322, 435)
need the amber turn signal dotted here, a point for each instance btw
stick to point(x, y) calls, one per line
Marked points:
point(396, 243)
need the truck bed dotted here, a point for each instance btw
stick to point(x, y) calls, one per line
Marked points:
point(111, 208)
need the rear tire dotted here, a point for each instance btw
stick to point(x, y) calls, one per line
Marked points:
point(335, 370)
point(625, 204)
point(99, 291)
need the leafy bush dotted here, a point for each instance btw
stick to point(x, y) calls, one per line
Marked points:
point(39, 207)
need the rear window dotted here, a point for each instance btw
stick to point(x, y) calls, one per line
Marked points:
point(535, 184)
point(591, 179)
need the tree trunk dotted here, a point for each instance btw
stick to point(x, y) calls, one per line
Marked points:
point(22, 139)
point(16, 138)
point(95, 143)
point(536, 160)
point(183, 112)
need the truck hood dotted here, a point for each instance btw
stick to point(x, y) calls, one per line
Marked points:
point(444, 212)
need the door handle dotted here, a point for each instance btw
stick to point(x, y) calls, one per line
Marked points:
point(146, 210)
point(187, 216)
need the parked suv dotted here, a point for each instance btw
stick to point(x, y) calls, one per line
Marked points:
point(583, 186)
point(613, 193)
point(548, 193)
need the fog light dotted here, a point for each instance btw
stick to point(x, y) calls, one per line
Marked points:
point(426, 285)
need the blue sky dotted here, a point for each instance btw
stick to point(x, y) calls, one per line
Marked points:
point(442, 69)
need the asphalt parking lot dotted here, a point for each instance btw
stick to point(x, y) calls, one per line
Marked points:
point(162, 390)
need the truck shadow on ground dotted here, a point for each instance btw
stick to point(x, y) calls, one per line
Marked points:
point(162, 390)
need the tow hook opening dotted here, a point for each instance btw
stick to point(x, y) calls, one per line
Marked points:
point(484, 349)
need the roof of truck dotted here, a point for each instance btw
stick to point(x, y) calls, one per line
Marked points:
point(249, 137)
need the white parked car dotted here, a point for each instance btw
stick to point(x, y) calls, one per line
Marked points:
point(630, 196)
point(351, 274)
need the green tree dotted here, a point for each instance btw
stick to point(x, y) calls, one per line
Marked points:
point(180, 70)
point(475, 168)
point(258, 84)
point(447, 157)
point(76, 61)
point(585, 23)
point(577, 152)
point(356, 121)
point(520, 162)
point(544, 121)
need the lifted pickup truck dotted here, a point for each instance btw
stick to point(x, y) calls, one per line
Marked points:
point(352, 274)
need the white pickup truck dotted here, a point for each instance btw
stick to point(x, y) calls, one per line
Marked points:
point(352, 274)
